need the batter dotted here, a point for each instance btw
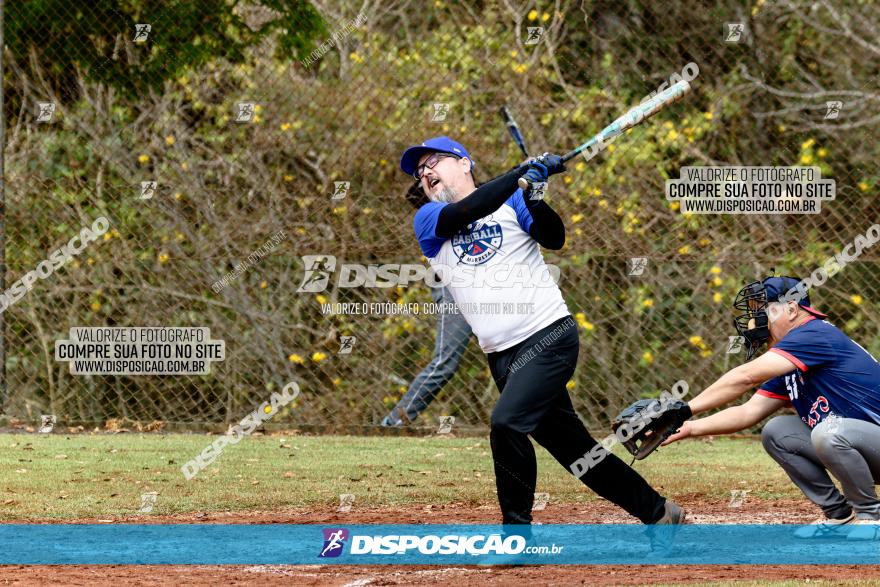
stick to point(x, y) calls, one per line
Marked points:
point(470, 234)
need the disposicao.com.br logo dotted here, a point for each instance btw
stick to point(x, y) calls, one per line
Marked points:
point(450, 544)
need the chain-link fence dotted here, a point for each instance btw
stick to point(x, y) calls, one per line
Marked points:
point(205, 131)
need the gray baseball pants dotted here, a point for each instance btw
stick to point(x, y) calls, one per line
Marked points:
point(847, 448)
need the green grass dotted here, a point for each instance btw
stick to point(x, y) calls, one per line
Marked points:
point(77, 476)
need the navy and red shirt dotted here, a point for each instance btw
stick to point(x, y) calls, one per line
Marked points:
point(834, 375)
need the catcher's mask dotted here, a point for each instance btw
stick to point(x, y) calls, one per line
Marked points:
point(752, 323)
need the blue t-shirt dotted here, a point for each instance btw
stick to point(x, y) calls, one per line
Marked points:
point(834, 375)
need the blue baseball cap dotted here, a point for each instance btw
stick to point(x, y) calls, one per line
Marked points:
point(411, 156)
point(778, 287)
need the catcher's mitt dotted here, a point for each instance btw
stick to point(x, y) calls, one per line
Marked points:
point(645, 424)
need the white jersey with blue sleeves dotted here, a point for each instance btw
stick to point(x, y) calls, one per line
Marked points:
point(495, 272)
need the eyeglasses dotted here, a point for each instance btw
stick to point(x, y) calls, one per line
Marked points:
point(430, 163)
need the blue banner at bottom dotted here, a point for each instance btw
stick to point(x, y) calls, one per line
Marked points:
point(216, 544)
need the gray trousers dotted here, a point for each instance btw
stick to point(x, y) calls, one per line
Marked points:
point(453, 334)
point(847, 448)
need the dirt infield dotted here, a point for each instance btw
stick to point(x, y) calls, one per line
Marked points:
point(700, 511)
point(459, 576)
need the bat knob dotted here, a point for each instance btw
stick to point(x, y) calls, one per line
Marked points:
point(523, 183)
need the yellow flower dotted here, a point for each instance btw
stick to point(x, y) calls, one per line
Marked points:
point(822, 153)
point(578, 231)
point(856, 299)
point(863, 185)
point(696, 340)
point(545, 17)
point(520, 67)
point(321, 299)
point(577, 218)
point(257, 118)
point(717, 282)
point(781, 128)
point(532, 15)
point(704, 242)
point(649, 303)
point(603, 203)
point(178, 236)
point(184, 165)
point(672, 135)
point(583, 322)
point(716, 297)
point(806, 159)
point(570, 385)
point(708, 115)
point(285, 126)
point(340, 210)
point(258, 108)
point(647, 357)
point(318, 356)
point(96, 306)
point(684, 250)
point(287, 177)
point(337, 381)
point(706, 353)
point(567, 179)
point(611, 150)
point(597, 192)
point(808, 143)
point(294, 358)
point(169, 140)
point(668, 124)
point(178, 195)
point(263, 285)
point(144, 159)
point(355, 57)
point(513, 54)
point(384, 162)
point(163, 257)
point(580, 166)
point(107, 236)
point(367, 211)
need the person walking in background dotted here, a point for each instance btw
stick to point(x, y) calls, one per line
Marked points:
point(453, 334)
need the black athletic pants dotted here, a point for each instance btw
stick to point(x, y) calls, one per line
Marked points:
point(534, 401)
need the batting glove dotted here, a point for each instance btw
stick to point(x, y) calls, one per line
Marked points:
point(537, 173)
point(553, 163)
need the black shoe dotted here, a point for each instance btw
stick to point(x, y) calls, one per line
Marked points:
point(662, 532)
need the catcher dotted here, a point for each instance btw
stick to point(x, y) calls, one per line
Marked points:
point(834, 386)
point(471, 233)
